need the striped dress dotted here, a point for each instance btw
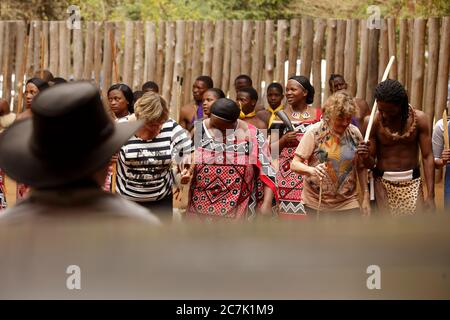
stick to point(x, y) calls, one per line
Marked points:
point(144, 168)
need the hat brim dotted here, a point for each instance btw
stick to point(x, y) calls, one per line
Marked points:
point(22, 165)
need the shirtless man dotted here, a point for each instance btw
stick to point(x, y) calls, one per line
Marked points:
point(247, 99)
point(393, 152)
point(194, 110)
point(337, 83)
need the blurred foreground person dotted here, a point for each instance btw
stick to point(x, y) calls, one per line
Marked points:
point(63, 165)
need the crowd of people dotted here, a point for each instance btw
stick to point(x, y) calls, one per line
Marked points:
point(276, 157)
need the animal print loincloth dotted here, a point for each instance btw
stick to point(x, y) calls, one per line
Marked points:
point(403, 196)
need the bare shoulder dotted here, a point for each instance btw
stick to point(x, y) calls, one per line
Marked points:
point(264, 115)
point(422, 119)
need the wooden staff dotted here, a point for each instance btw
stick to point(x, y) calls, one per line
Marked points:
point(444, 122)
point(374, 108)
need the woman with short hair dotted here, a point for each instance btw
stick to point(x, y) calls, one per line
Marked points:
point(327, 158)
point(144, 172)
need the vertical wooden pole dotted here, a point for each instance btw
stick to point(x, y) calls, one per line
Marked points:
point(196, 59)
point(128, 58)
point(392, 46)
point(350, 52)
point(282, 27)
point(246, 58)
point(218, 53)
point(402, 52)
point(98, 52)
point(178, 72)
point(160, 54)
point(138, 56)
point(443, 68)
point(64, 43)
point(208, 45)
point(169, 62)
point(258, 57)
point(363, 60)
point(89, 51)
point(54, 47)
point(383, 49)
point(2, 43)
point(8, 59)
point(410, 54)
point(235, 55)
point(187, 81)
point(294, 38)
point(45, 30)
point(36, 45)
point(432, 68)
point(340, 44)
point(307, 47)
point(107, 57)
point(150, 51)
point(78, 53)
point(227, 57)
point(330, 54)
point(19, 67)
point(372, 72)
point(417, 76)
point(319, 36)
point(269, 49)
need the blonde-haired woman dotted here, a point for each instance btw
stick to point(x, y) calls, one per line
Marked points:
point(144, 172)
point(327, 157)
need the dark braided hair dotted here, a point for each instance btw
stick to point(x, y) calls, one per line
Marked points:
point(392, 91)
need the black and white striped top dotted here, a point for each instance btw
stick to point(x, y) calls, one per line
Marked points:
point(144, 167)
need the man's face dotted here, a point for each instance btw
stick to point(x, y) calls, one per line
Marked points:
point(241, 83)
point(198, 89)
point(389, 112)
point(244, 100)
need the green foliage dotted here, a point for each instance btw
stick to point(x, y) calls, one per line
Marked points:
point(217, 9)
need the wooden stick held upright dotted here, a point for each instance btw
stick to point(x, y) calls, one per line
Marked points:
point(374, 108)
point(445, 124)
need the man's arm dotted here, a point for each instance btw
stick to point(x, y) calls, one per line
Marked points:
point(427, 154)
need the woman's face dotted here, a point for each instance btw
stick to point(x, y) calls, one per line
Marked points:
point(274, 97)
point(295, 93)
point(150, 130)
point(208, 99)
point(30, 92)
point(118, 103)
point(341, 123)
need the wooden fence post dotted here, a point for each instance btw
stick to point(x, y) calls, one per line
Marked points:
point(350, 51)
point(150, 52)
point(169, 61)
point(307, 47)
point(246, 58)
point(417, 75)
point(294, 39)
point(340, 44)
point(330, 54)
point(138, 68)
point(178, 67)
point(317, 60)
point(281, 51)
point(392, 47)
point(444, 59)
point(208, 45)
point(217, 64)
point(269, 49)
point(227, 58)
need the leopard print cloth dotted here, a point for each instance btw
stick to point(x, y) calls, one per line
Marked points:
point(403, 196)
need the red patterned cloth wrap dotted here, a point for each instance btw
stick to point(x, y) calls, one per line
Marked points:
point(229, 178)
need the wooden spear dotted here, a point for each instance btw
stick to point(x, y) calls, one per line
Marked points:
point(374, 108)
point(445, 123)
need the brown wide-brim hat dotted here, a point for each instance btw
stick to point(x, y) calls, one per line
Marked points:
point(69, 138)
